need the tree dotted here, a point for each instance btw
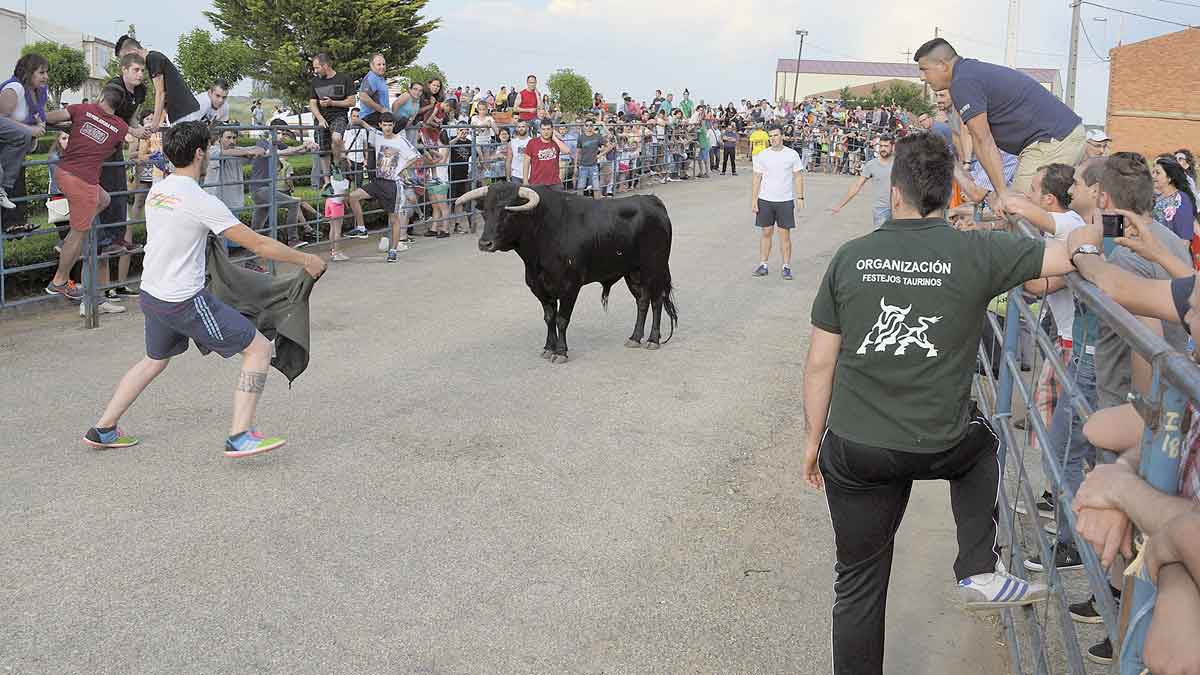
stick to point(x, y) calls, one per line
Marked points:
point(202, 60)
point(418, 73)
point(68, 69)
point(907, 96)
point(571, 90)
point(284, 35)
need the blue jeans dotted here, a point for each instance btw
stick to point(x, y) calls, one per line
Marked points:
point(1066, 436)
point(881, 215)
point(589, 177)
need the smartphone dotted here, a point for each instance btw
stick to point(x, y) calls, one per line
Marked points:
point(1114, 224)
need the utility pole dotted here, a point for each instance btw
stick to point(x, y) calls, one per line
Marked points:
point(796, 84)
point(1014, 24)
point(1073, 59)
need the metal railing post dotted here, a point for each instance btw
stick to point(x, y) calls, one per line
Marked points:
point(273, 201)
point(87, 271)
point(1162, 447)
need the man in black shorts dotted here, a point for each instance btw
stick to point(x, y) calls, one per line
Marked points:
point(777, 191)
point(176, 306)
point(332, 95)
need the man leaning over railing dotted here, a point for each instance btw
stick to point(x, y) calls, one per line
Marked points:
point(1113, 497)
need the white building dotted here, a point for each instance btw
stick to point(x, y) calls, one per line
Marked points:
point(15, 34)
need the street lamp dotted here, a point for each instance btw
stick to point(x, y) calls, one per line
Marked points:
point(796, 84)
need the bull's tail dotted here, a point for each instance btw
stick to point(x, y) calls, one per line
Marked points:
point(670, 308)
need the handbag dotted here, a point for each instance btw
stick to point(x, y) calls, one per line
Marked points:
point(58, 210)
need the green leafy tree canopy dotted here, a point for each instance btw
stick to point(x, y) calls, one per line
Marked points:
point(907, 96)
point(424, 73)
point(284, 35)
point(68, 69)
point(202, 60)
point(570, 90)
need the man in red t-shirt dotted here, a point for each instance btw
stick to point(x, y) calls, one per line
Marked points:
point(541, 158)
point(96, 131)
point(527, 103)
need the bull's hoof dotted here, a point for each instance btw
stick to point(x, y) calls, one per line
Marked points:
point(546, 354)
point(558, 358)
point(633, 344)
point(651, 345)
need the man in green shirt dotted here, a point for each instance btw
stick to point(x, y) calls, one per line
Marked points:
point(896, 326)
point(702, 160)
point(686, 104)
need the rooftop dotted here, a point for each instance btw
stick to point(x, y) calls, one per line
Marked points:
point(884, 70)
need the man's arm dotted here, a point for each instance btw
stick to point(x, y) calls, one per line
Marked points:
point(244, 152)
point(1043, 287)
point(160, 102)
point(269, 248)
point(1139, 238)
point(316, 113)
point(1117, 486)
point(562, 146)
point(1036, 215)
point(527, 160)
point(823, 348)
point(1178, 542)
point(1143, 297)
point(854, 189)
point(365, 97)
point(798, 185)
point(988, 154)
point(1171, 645)
point(755, 186)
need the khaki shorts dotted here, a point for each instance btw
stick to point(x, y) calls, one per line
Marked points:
point(1067, 151)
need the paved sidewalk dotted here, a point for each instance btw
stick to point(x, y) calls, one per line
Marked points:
point(450, 502)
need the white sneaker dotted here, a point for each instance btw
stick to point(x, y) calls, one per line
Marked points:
point(105, 307)
point(5, 202)
point(383, 245)
point(401, 246)
point(998, 590)
point(338, 256)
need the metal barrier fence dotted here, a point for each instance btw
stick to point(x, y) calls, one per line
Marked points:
point(641, 154)
point(1175, 381)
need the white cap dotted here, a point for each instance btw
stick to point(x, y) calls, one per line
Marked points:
point(1097, 136)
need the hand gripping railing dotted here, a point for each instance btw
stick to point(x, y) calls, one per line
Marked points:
point(1175, 381)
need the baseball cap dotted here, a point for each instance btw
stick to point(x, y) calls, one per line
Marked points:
point(1097, 136)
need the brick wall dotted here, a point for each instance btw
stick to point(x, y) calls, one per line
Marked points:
point(1155, 76)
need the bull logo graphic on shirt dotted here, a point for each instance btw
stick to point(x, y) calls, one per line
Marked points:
point(891, 328)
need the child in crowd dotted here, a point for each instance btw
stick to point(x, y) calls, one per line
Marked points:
point(393, 155)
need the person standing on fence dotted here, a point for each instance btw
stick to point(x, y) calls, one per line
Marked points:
point(179, 217)
point(96, 131)
point(896, 326)
point(173, 100)
point(1004, 109)
point(214, 106)
point(878, 170)
point(331, 96)
point(526, 105)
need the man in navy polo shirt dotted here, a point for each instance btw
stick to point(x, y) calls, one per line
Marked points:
point(1007, 110)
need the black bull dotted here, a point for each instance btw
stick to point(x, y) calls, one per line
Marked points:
point(567, 241)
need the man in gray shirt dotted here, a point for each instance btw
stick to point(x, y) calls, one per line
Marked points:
point(878, 170)
point(588, 148)
point(225, 178)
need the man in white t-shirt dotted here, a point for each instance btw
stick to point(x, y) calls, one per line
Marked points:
point(777, 191)
point(518, 143)
point(214, 108)
point(175, 304)
point(393, 155)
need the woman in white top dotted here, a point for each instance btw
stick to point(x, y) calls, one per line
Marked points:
point(22, 121)
point(484, 124)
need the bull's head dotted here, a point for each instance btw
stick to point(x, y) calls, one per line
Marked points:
point(502, 202)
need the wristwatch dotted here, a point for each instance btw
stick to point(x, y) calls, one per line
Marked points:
point(1086, 249)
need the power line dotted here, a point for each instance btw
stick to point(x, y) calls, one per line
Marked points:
point(1181, 3)
point(1089, 41)
point(1140, 16)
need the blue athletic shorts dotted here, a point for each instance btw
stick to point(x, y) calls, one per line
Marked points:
point(204, 319)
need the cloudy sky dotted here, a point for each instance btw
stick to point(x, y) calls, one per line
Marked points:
point(719, 50)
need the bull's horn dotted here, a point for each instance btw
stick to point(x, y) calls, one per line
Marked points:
point(531, 202)
point(477, 193)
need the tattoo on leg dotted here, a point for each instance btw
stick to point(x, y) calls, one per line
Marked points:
point(251, 382)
